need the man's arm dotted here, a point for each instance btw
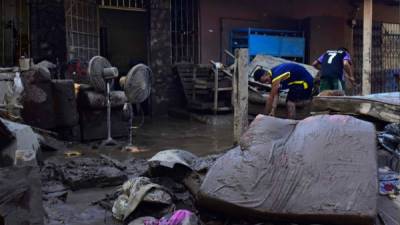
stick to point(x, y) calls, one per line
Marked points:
point(317, 65)
point(272, 101)
point(349, 71)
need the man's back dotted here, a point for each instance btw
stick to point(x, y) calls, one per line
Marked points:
point(332, 63)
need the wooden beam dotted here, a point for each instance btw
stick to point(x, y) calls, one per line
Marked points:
point(240, 93)
point(367, 47)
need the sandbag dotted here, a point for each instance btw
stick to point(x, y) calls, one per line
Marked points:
point(322, 169)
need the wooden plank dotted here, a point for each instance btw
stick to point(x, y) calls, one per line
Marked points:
point(358, 105)
point(240, 94)
point(367, 47)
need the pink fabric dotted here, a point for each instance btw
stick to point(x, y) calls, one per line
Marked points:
point(176, 219)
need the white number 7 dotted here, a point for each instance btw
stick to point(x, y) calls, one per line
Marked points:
point(331, 56)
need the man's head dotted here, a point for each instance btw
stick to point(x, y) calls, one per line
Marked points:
point(262, 76)
point(343, 49)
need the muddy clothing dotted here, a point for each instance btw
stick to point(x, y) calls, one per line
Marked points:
point(295, 78)
point(332, 75)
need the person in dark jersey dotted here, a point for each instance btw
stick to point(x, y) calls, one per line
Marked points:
point(287, 76)
point(332, 65)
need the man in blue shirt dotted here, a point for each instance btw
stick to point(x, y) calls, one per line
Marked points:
point(287, 75)
point(331, 65)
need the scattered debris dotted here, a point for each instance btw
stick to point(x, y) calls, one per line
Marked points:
point(24, 149)
point(170, 158)
point(268, 62)
point(20, 196)
point(49, 143)
point(384, 107)
point(114, 162)
point(71, 154)
point(331, 93)
point(136, 167)
point(98, 172)
point(179, 217)
point(389, 182)
point(316, 170)
point(136, 191)
point(390, 139)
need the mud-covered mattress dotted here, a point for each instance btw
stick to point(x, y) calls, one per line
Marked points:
point(322, 169)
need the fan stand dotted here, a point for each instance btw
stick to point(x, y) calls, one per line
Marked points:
point(109, 141)
point(130, 146)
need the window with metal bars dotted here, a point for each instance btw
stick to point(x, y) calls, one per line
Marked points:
point(133, 5)
point(385, 56)
point(81, 19)
point(184, 31)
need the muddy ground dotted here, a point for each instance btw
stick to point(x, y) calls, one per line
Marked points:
point(83, 206)
point(65, 206)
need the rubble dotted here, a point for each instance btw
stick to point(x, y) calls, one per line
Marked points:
point(21, 196)
point(389, 182)
point(318, 170)
point(139, 190)
point(390, 139)
point(384, 107)
point(268, 62)
point(98, 172)
point(24, 149)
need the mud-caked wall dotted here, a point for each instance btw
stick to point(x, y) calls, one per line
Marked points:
point(166, 90)
point(47, 28)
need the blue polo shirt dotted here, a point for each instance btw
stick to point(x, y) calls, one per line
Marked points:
point(291, 74)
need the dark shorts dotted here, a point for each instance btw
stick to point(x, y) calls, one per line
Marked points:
point(330, 84)
point(297, 93)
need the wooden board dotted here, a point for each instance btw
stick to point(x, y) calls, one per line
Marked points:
point(385, 106)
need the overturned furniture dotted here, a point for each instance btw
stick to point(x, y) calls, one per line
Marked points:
point(319, 170)
point(384, 106)
point(100, 108)
point(206, 88)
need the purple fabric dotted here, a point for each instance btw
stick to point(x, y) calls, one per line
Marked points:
point(176, 219)
point(321, 58)
point(346, 57)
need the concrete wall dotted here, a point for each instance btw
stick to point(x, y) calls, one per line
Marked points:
point(166, 90)
point(325, 20)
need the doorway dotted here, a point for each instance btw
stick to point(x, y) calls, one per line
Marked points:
point(123, 37)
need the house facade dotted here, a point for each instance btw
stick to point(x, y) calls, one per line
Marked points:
point(162, 33)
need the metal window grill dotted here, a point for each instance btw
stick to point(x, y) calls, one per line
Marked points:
point(81, 19)
point(385, 56)
point(131, 5)
point(184, 31)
